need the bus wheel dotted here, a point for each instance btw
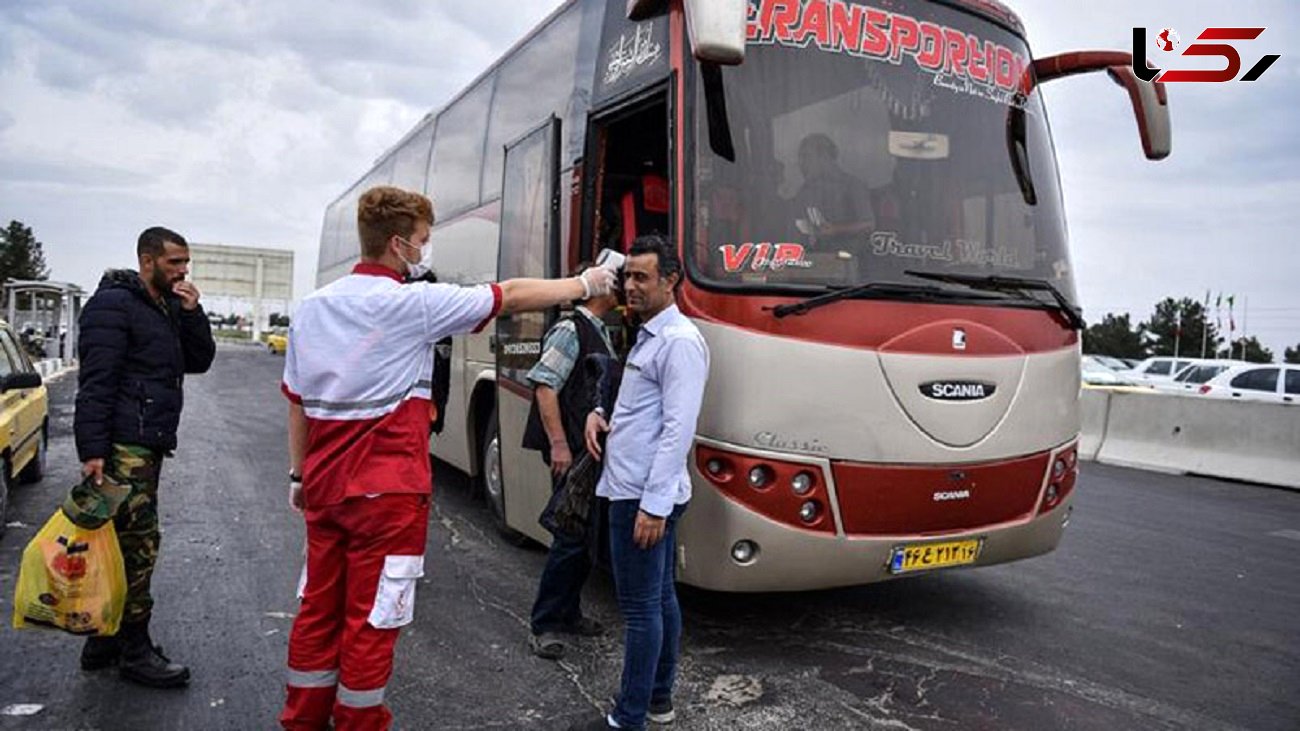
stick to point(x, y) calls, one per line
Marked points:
point(491, 480)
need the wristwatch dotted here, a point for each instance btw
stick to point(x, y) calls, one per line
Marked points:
point(599, 411)
point(294, 477)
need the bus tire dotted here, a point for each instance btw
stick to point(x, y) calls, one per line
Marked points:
point(491, 482)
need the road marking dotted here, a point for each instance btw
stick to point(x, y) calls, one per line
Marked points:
point(1288, 533)
point(21, 709)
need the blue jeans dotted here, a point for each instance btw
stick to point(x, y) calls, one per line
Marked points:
point(647, 597)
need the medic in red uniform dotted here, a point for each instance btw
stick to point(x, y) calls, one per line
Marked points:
point(358, 374)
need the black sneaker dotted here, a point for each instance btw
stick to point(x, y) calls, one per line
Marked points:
point(662, 712)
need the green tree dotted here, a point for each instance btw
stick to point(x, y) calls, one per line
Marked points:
point(1179, 325)
point(1255, 352)
point(21, 256)
point(1114, 336)
point(1292, 355)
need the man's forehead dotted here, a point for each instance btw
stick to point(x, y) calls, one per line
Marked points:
point(173, 250)
point(647, 263)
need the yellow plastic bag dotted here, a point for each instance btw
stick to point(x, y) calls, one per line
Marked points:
point(71, 579)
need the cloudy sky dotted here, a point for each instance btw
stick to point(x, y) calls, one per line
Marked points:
point(237, 121)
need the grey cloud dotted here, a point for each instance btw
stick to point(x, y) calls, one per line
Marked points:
point(71, 174)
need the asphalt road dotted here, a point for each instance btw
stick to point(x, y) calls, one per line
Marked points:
point(1171, 603)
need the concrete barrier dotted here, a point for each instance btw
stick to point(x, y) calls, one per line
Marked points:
point(51, 367)
point(1239, 440)
point(1094, 407)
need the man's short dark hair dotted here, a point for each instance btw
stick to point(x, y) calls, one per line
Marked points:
point(153, 239)
point(669, 262)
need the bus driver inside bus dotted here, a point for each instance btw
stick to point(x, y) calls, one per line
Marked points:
point(834, 208)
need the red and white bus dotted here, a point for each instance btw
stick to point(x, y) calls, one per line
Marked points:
point(867, 203)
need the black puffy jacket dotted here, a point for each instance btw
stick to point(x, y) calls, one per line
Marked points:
point(134, 356)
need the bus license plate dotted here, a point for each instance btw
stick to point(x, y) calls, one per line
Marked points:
point(923, 556)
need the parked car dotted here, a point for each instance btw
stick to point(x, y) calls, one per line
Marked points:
point(277, 342)
point(1159, 368)
point(1115, 364)
point(24, 419)
point(1095, 373)
point(1275, 382)
point(1189, 379)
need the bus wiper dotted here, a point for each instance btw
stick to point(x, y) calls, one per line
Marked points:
point(1014, 285)
point(1018, 149)
point(715, 103)
point(898, 289)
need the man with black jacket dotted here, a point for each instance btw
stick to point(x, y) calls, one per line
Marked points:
point(562, 398)
point(140, 334)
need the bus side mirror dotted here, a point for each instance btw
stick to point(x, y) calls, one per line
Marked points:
point(1151, 107)
point(717, 30)
point(1149, 99)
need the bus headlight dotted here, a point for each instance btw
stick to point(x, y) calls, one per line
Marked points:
point(802, 483)
point(809, 511)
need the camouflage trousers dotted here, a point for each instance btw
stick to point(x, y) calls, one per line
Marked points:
point(131, 479)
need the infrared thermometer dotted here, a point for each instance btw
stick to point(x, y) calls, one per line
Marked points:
point(610, 259)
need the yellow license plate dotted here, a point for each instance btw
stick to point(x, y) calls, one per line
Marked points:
point(924, 556)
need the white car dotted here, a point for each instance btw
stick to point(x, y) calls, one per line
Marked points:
point(1159, 368)
point(1115, 364)
point(1189, 379)
point(1095, 373)
point(1274, 382)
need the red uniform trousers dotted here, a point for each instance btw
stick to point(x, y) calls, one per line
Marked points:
point(339, 662)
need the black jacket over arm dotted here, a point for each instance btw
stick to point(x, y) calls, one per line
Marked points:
point(134, 356)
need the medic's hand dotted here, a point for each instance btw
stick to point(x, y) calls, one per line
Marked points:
point(596, 425)
point(597, 281)
point(295, 495)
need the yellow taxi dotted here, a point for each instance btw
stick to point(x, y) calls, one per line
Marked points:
point(277, 342)
point(24, 419)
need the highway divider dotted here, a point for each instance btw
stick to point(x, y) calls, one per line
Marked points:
point(1188, 434)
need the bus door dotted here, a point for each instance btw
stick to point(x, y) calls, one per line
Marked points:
point(530, 247)
point(628, 172)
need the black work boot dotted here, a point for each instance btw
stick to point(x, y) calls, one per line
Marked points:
point(100, 652)
point(142, 662)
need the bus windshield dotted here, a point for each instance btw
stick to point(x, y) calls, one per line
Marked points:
point(869, 142)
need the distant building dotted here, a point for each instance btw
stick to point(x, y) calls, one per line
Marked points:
point(243, 280)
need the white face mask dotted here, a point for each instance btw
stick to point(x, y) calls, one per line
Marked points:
point(420, 267)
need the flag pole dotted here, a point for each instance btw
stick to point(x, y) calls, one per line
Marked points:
point(1245, 311)
point(1205, 323)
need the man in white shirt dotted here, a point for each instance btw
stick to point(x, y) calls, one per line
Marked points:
point(646, 480)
